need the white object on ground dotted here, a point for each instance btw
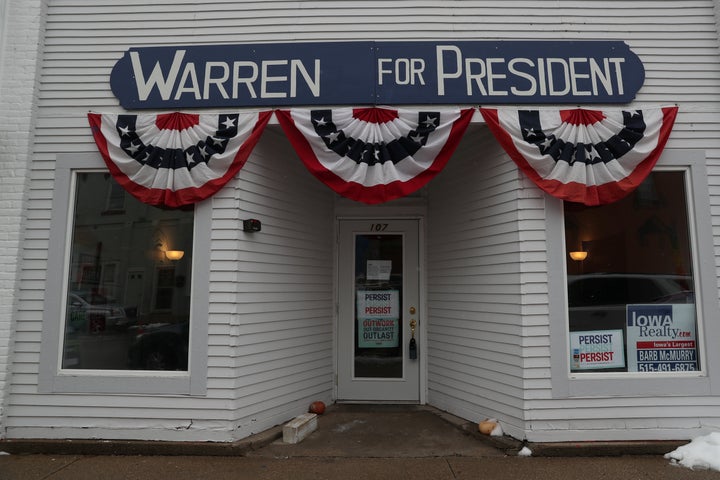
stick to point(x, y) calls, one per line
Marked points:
point(299, 428)
point(701, 453)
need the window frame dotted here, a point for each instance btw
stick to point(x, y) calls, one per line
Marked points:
point(602, 384)
point(52, 378)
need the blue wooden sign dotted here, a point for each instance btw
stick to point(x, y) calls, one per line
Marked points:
point(372, 73)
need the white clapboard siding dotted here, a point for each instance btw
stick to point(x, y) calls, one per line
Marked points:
point(270, 345)
point(270, 319)
point(270, 322)
point(475, 332)
point(274, 303)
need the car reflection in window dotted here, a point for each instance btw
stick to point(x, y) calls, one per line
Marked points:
point(599, 301)
point(93, 313)
point(160, 346)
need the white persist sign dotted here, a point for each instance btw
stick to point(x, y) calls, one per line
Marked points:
point(595, 349)
point(378, 318)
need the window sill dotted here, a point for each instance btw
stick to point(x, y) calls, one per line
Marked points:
point(140, 382)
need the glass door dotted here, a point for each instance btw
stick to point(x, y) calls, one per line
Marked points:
point(378, 322)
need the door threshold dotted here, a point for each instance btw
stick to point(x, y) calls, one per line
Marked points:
point(378, 402)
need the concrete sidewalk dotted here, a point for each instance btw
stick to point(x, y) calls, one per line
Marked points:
point(31, 467)
point(351, 442)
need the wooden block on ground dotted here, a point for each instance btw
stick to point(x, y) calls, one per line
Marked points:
point(299, 428)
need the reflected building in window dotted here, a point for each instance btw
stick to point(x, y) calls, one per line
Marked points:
point(128, 301)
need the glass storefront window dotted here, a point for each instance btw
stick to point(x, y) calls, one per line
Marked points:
point(630, 281)
point(127, 298)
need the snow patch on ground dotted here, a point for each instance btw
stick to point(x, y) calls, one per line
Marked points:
point(525, 452)
point(701, 453)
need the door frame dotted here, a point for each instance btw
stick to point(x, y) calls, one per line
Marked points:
point(421, 332)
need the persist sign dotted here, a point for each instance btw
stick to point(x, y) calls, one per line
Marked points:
point(369, 73)
point(378, 318)
point(597, 349)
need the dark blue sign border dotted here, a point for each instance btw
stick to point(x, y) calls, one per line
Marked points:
point(377, 73)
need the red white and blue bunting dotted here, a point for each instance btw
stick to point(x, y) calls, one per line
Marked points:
point(585, 156)
point(374, 155)
point(176, 159)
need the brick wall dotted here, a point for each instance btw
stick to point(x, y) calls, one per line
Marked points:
point(20, 26)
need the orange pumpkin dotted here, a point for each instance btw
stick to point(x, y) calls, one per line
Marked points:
point(317, 407)
point(487, 426)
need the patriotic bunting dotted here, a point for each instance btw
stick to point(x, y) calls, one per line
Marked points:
point(176, 159)
point(373, 155)
point(585, 156)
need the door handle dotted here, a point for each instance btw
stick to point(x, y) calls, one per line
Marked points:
point(412, 348)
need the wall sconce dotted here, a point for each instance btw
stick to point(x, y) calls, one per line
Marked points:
point(251, 225)
point(174, 254)
point(578, 256)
